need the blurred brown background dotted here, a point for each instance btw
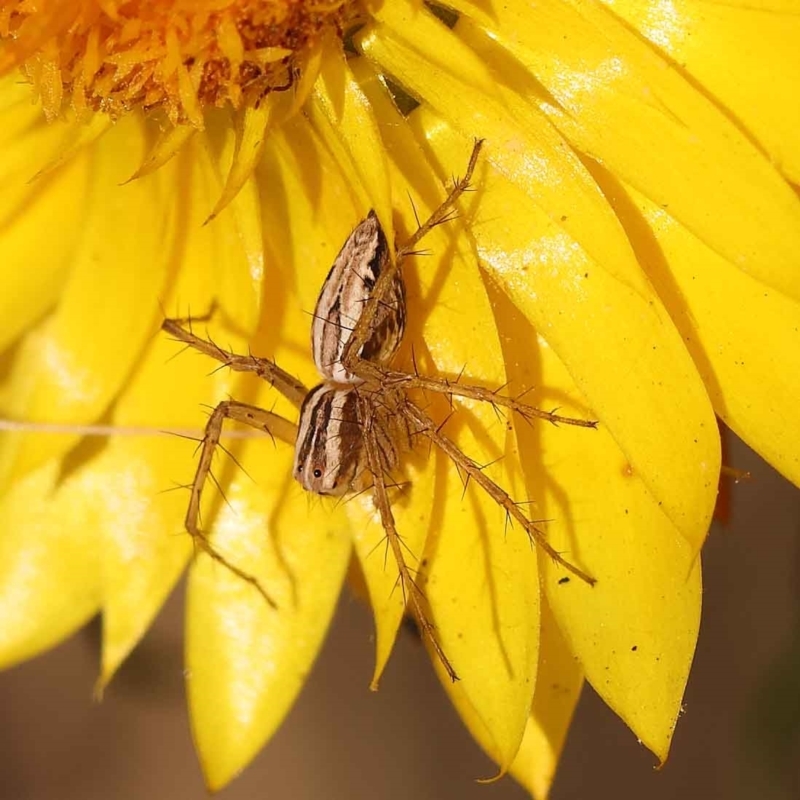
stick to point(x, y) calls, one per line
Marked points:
point(739, 737)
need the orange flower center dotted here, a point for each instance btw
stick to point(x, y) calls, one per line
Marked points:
point(176, 55)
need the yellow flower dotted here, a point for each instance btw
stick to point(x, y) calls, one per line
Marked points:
point(630, 253)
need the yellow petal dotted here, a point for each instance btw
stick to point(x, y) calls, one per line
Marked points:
point(411, 45)
point(78, 136)
point(251, 133)
point(49, 573)
point(26, 142)
point(49, 570)
point(352, 132)
point(743, 336)
point(104, 315)
point(34, 267)
point(308, 214)
point(305, 85)
point(483, 588)
point(558, 685)
point(291, 163)
point(482, 580)
point(169, 143)
point(144, 547)
point(246, 662)
point(558, 688)
point(145, 544)
point(408, 22)
point(604, 513)
point(657, 410)
point(634, 633)
point(742, 54)
point(615, 95)
point(232, 240)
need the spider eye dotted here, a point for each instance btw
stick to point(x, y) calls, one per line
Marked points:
point(317, 473)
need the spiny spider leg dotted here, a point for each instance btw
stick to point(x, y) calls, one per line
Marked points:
point(364, 327)
point(256, 418)
point(445, 386)
point(441, 214)
point(411, 590)
point(291, 388)
point(428, 427)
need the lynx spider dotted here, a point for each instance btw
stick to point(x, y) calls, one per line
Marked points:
point(353, 424)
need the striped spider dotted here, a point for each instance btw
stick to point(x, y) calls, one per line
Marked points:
point(355, 425)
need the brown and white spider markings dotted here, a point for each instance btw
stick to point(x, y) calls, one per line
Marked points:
point(354, 426)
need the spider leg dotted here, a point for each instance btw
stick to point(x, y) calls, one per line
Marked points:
point(442, 213)
point(365, 325)
point(410, 588)
point(256, 418)
point(286, 384)
point(480, 393)
point(428, 428)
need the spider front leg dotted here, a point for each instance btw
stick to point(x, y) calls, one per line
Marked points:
point(411, 591)
point(373, 327)
point(291, 388)
point(254, 417)
point(428, 428)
